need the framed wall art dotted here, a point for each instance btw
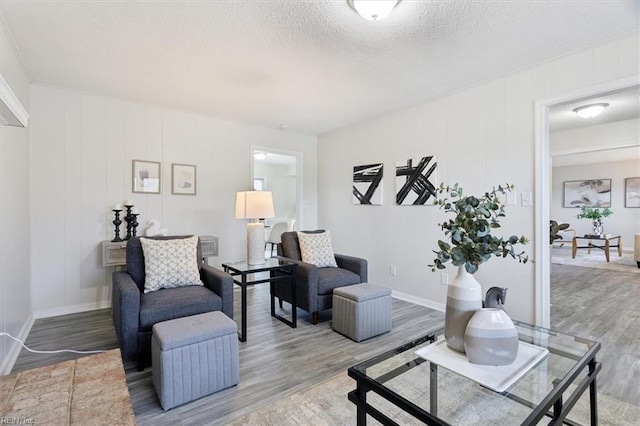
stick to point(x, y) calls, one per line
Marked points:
point(587, 193)
point(416, 180)
point(367, 184)
point(183, 179)
point(632, 192)
point(145, 176)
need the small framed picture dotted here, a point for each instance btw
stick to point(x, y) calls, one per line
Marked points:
point(146, 176)
point(183, 179)
point(632, 192)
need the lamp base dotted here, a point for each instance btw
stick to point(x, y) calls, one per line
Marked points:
point(255, 244)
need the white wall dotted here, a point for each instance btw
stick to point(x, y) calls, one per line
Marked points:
point(624, 221)
point(82, 147)
point(15, 292)
point(482, 136)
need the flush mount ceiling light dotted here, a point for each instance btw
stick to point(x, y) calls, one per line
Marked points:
point(591, 110)
point(259, 155)
point(373, 10)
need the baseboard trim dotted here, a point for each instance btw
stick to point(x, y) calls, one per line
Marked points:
point(74, 309)
point(15, 347)
point(418, 300)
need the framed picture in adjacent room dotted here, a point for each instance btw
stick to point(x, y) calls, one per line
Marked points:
point(632, 192)
point(183, 179)
point(594, 193)
point(145, 176)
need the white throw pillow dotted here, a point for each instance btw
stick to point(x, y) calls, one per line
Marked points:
point(316, 249)
point(170, 263)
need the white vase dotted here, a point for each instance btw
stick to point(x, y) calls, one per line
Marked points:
point(491, 338)
point(464, 298)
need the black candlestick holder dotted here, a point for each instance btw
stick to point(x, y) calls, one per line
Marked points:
point(117, 223)
point(134, 223)
point(128, 218)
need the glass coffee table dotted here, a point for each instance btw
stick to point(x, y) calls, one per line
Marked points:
point(408, 388)
point(593, 241)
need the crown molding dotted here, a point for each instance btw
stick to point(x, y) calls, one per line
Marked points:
point(12, 113)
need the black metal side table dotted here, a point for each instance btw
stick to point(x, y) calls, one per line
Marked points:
point(287, 271)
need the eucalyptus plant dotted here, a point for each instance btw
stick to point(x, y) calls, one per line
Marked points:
point(469, 232)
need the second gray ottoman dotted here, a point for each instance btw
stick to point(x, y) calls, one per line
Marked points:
point(361, 311)
point(193, 357)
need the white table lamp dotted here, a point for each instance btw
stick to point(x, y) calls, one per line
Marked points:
point(254, 205)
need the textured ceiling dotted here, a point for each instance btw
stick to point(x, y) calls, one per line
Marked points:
point(623, 105)
point(313, 65)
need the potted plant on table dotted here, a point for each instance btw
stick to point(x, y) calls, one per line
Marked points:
point(596, 215)
point(470, 243)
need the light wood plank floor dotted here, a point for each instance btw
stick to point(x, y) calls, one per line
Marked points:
point(277, 360)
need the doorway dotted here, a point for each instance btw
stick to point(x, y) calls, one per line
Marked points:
point(543, 172)
point(280, 172)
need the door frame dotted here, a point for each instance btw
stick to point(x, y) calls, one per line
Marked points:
point(542, 280)
point(299, 176)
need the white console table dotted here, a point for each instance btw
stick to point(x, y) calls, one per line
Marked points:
point(115, 254)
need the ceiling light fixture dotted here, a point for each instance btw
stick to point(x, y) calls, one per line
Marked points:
point(591, 110)
point(373, 10)
point(259, 155)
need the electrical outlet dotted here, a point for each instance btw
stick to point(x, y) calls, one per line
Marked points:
point(392, 270)
point(444, 278)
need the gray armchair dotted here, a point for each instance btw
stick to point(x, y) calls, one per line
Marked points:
point(314, 286)
point(135, 312)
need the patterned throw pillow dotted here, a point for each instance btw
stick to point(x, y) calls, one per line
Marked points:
point(170, 263)
point(316, 249)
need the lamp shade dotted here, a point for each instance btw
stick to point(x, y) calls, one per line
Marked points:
point(254, 204)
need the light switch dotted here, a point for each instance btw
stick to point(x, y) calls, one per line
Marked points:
point(527, 199)
point(512, 198)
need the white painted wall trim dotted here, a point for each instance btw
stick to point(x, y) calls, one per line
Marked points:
point(418, 300)
point(14, 351)
point(542, 307)
point(74, 309)
point(12, 113)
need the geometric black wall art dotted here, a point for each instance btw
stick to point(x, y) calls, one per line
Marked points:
point(416, 181)
point(367, 184)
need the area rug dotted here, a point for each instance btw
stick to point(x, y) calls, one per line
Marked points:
point(86, 391)
point(595, 259)
point(326, 403)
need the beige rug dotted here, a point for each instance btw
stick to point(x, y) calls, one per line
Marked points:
point(326, 403)
point(595, 259)
point(87, 391)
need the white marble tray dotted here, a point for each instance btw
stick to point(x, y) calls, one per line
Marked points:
point(497, 378)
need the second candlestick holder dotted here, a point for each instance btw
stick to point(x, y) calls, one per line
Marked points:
point(117, 222)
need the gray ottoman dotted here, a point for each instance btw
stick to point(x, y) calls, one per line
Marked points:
point(361, 311)
point(193, 357)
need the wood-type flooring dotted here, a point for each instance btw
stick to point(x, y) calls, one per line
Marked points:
point(277, 361)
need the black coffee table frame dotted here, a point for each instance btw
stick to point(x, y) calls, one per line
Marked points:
point(552, 405)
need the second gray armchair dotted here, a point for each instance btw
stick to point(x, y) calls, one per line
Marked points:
point(314, 286)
